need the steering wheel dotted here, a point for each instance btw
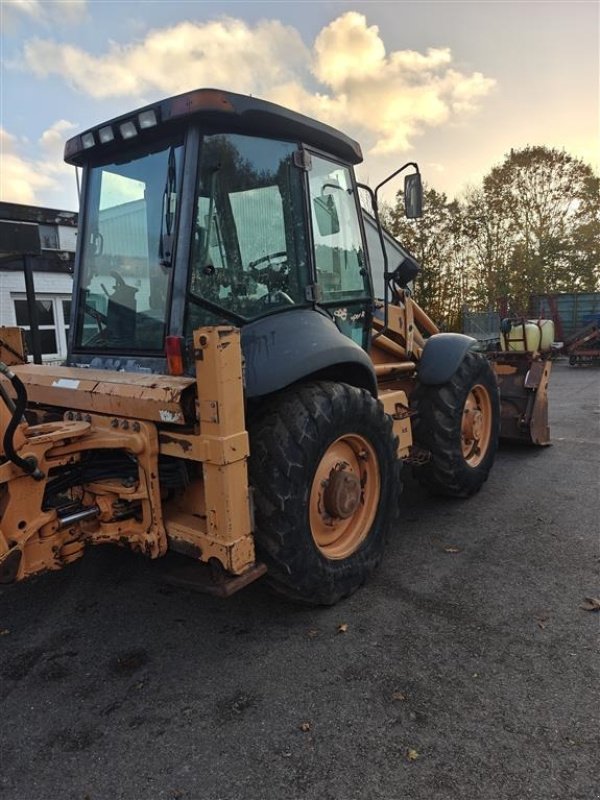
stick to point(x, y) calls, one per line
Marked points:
point(270, 258)
point(274, 275)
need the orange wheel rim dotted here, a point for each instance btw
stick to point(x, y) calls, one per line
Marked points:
point(476, 426)
point(344, 496)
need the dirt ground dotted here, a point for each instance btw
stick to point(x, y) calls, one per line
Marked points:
point(467, 668)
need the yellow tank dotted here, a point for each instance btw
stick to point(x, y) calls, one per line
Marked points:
point(531, 334)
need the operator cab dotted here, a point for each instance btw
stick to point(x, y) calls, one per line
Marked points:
point(211, 208)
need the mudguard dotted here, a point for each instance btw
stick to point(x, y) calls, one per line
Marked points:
point(442, 356)
point(282, 349)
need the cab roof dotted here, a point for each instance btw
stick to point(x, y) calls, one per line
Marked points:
point(218, 111)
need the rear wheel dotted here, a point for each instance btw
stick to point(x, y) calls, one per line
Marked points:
point(459, 423)
point(326, 484)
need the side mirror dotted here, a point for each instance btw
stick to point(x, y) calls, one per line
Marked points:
point(326, 215)
point(413, 196)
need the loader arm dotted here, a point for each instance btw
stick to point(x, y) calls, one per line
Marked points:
point(406, 349)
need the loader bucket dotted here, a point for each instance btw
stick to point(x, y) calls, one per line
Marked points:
point(523, 382)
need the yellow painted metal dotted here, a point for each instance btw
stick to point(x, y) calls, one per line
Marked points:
point(157, 398)
point(476, 425)
point(394, 368)
point(523, 381)
point(338, 535)
point(12, 346)
point(395, 403)
point(221, 402)
point(197, 447)
point(34, 539)
point(211, 518)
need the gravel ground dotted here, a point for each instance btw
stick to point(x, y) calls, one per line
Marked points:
point(468, 674)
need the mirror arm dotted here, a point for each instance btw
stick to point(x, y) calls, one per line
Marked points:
point(386, 275)
point(397, 172)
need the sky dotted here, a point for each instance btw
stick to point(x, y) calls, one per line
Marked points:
point(452, 85)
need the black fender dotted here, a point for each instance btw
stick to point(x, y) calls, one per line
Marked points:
point(442, 356)
point(285, 348)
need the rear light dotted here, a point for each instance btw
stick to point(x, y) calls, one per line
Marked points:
point(174, 354)
point(87, 140)
point(106, 135)
point(128, 130)
point(201, 100)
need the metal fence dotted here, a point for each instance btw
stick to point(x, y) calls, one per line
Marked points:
point(481, 325)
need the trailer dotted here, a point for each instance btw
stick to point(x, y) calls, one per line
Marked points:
point(584, 346)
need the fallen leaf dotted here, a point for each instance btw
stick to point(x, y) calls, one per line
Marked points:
point(541, 624)
point(398, 696)
point(4, 632)
point(412, 755)
point(312, 633)
point(305, 726)
point(591, 604)
point(452, 549)
point(343, 628)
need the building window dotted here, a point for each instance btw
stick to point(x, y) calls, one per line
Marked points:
point(53, 321)
point(49, 237)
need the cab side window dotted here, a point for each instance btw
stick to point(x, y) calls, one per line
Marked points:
point(339, 255)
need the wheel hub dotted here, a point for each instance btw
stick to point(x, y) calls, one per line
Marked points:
point(476, 425)
point(342, 494)
point(472, 424)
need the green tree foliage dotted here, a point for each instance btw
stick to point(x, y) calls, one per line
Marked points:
point(532, 227)
point(545, 204)
point(435, 240)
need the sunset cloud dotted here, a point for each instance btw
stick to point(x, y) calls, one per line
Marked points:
point(226, 53)
point(347, 78)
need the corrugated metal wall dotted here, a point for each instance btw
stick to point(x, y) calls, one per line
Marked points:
point(570, 312)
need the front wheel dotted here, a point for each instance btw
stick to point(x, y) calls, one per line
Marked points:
point(325, 475)
point(459, 423)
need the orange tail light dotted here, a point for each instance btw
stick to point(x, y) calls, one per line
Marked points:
point(174, 354)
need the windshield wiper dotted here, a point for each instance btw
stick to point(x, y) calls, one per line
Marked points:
point(210, 217)
point(165, 241)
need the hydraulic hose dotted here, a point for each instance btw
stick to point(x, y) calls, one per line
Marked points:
point(8, 401)
point(29, 464)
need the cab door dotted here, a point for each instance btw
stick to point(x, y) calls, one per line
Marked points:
point(339, 255)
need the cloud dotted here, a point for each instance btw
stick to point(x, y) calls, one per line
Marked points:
point(218, 53)
point(24, 179)
point(63, 11)
point(389, 96)
point(347, 78)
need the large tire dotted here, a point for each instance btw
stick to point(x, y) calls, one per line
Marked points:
point(459, 423)
point(325, 475)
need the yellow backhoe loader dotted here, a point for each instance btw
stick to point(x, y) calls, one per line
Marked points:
point(234, 391)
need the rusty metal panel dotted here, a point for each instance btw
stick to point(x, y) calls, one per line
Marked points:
point(12, 346)
point(150, 397)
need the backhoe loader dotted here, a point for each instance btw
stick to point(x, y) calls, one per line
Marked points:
point(234, 391)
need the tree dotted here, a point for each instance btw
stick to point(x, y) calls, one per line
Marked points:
point(533, 227)
point(536, 225)
point(436, 241)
